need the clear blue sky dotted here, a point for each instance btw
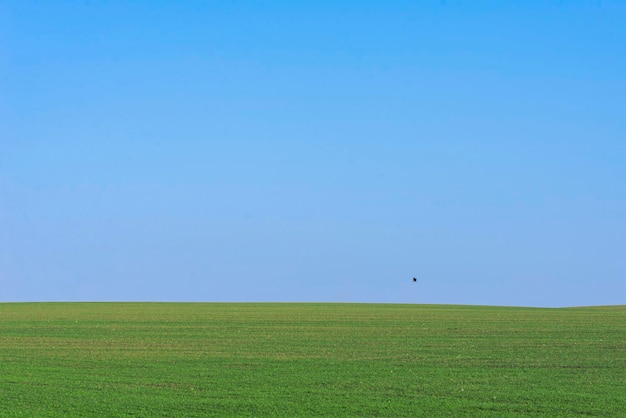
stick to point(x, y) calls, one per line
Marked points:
point(313, 151)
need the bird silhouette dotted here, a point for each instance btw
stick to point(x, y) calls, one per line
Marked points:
point(414, 279)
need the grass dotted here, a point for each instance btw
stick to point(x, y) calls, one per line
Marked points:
point(179, 359)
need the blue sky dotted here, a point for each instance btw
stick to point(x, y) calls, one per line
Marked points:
point(313, 151)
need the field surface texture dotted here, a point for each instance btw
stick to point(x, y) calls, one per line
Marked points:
point(180, 359)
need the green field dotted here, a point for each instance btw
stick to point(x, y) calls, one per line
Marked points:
point(186, 359)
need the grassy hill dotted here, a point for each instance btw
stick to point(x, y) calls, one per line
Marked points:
point(196, 359)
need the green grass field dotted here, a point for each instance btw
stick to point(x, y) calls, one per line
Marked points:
point(184, 359)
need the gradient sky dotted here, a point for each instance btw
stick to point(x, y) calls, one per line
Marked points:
point(313, 151)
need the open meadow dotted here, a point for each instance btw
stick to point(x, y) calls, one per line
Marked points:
point(266, 359)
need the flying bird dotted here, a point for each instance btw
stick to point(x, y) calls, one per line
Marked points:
point(414, 279)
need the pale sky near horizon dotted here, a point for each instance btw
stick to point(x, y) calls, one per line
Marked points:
point(313, 151)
